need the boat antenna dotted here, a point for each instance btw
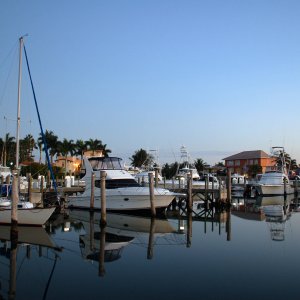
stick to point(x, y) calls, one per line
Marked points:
point(41, 127)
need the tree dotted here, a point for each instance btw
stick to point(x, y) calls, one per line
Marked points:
point(27, 145)
point(9, 149)
point(105, 151)
point(52, 144)
point(94, 145)
point(141, 158)
point(80, 146)
point(199, 165)
point(294, 165)
point(64, 148)
point(169, 171)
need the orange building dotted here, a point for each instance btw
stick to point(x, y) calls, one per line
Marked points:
point(71, 164)
point(240, 163)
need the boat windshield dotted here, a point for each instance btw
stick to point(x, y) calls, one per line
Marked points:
point(105, 163)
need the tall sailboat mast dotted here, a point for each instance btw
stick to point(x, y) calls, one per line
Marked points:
point(19, 105)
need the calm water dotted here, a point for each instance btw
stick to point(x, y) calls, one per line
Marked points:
point(244, 256)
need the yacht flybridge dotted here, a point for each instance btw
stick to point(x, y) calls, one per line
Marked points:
point(123, 192)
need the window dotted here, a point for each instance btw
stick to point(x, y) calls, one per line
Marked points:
point(230, 163)
point(237, 163)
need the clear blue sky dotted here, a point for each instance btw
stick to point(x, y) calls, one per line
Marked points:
point(217, 76)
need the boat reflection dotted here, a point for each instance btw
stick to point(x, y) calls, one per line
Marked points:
point(277, 211)
point(105, 244)
point(21, 246)
point(274, 210)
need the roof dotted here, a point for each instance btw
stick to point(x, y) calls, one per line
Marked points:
point(248, 155)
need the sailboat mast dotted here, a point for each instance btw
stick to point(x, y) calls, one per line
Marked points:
point(19, 105)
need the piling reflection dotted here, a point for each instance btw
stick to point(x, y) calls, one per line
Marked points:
point(17, 245)
point(104, 244)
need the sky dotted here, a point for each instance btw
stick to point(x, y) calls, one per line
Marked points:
point(217, 76)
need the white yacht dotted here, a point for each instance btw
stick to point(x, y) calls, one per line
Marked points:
point(275, 182)
point(123, 192)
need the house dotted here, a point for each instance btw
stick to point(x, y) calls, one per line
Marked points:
point(70, 164)
point(240, 163)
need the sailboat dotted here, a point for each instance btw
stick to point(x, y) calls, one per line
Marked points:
point(26, 213)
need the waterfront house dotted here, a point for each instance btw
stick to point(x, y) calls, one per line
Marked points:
point(71, 164)
point(241, 162)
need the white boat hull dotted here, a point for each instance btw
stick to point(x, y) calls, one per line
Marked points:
point(273, 190)
point(27, 216)
point(123, 199)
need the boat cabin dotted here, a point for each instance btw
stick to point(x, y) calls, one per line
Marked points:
point(106, 163)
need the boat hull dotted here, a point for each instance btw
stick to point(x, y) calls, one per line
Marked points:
point(274, 190)
point(28, 216)
point(121, 202)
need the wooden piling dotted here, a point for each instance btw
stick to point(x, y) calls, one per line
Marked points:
point(103, 198)
point(151, 239)
point(228, 224)
point(101, 270)
point(189, 193)
point(13, 262)
point(15, 198)
point(189, 230)
point(206, 187)
point(151, 192)
point(48, 180)
point(29, 187)
point(92, 201)
point(284, 185)
point(228, 183)
point(92, 231)
point(156, 178)
point(42, 189)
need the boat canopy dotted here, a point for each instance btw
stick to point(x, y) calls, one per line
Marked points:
point(106, 163)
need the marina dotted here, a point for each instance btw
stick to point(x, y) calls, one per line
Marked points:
point(178, 255)
point(145, 152)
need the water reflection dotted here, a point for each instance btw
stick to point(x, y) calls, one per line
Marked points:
point(96, 259)
point(18, 246)
point(274, 210)
point(106, 244)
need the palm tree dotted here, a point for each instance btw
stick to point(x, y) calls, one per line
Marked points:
point(94, 145)
point(105, 151)
point(9, 151)
point(64, 148)
point(141, 158)
point(199, 165)
point(52, 143)
point(26, 147)
point(80, 146)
